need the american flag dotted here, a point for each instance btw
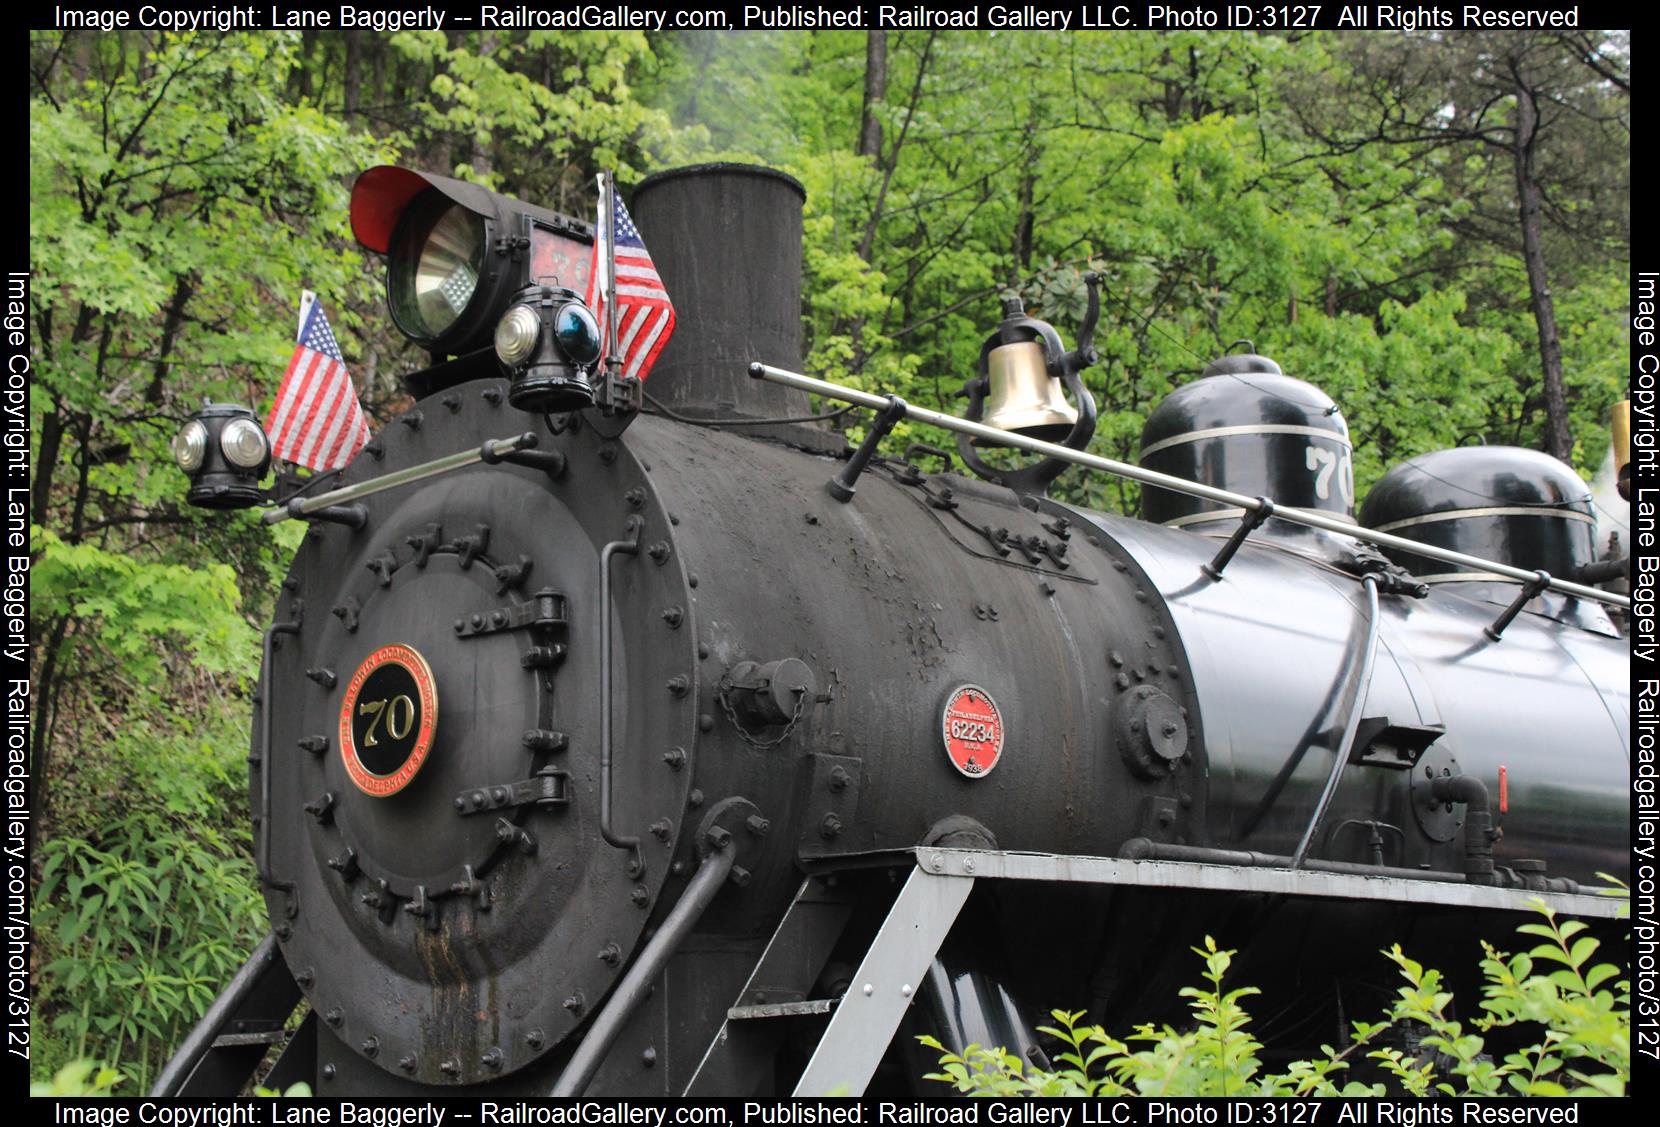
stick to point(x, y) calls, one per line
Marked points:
point(316, 420)
point(645, 318)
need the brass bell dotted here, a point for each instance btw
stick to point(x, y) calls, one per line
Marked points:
point(1023, 397)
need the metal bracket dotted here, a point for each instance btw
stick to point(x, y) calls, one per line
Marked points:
point(469, 547)
point(885, 983)
point(1034, 548)
point(1249, 523)
point(425, 542)
point(384, 566)
point(546, 788)
point(844, 485)
point(1531, 590)
point(1381, 743)
point(550, 462)
point(618, 395)
point(353, 516)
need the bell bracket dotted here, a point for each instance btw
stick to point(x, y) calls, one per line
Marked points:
point(1061, 364)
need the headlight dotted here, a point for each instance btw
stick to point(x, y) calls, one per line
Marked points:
point(243, 443)
point(436, 255)
point(516, 335)
point(190, 447)
point(577, 333)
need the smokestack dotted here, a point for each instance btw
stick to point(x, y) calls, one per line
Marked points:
point(726, 239)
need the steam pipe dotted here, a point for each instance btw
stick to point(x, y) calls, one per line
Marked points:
point(1225, 497)
point(636, 984)
point(1362, 683)
point(1478, 822)
point(1604, 571)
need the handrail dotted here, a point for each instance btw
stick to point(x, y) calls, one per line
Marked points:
point(1226, 497)
point(498, 448)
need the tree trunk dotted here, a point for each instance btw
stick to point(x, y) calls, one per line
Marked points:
point(44, 689)
point(1024, 223)
point(353, 75)
point(302, 69)
point(478, 156)
point(377, 73)
point(183, 289)
point(51, 446)
point(1558, 442)
point(876, 87)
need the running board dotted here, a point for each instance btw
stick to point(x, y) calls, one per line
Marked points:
point(892, 972)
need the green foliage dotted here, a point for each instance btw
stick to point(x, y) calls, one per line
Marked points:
point(143, 925)
point(1196, 172)
point(78, 1078)
point(139, 612)
point(1582, 1016)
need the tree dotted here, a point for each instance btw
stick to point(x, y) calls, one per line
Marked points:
point(158, 164)
point(1554, 107)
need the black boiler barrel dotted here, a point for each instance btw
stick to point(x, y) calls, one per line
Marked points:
point(726, 239)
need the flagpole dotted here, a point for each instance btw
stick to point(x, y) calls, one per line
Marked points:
point(609, 199)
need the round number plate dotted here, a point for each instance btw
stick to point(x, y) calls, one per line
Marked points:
point(388, 720)
point(973, 730)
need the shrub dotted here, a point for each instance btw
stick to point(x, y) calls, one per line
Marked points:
point(1583, 1010)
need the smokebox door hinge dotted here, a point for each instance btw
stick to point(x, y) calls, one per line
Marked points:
point(545, 610)
point(546, 787)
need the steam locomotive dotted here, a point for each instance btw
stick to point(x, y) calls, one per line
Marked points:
point(684, 751)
